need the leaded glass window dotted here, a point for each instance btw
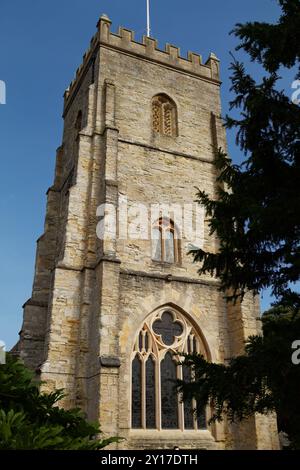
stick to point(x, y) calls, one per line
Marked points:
point(150, 393)
point(136, 392)
point(165, 242)
point(169, 244)
point(156, 366)
point(156, 244)
point(169, 411)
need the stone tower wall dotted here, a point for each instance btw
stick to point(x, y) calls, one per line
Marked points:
point(91, 296)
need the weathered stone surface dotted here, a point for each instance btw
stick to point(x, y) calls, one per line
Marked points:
point(110, 361)
point(90, 297)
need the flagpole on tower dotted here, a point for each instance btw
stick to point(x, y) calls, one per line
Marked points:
point(148, 19)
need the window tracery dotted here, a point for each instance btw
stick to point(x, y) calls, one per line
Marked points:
point(155, 365)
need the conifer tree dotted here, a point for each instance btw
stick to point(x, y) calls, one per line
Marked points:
point(32, 420)
point(256, 217)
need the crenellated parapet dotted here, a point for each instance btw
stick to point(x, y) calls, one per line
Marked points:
point(86, 59)
point(124, 41)
point(148, 48)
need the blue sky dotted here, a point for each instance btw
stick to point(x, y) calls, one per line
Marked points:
point(42, 44)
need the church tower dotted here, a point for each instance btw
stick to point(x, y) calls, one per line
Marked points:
point(115, 292)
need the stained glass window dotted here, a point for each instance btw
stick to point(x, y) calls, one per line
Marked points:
point(169, 247)
point(165, 334)
point(188, 404)
point(156, 244)
point(150, 394)
point(136, 393)
point(167, 328)
point(201, 418)
point(169, 406)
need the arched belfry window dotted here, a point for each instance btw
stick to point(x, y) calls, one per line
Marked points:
point(164, 116)
point(165, 241)
point(155, 366)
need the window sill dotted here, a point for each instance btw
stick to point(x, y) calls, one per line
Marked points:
point(166, 431)
point(170, 434)
point(166, 137)
point(164, 264)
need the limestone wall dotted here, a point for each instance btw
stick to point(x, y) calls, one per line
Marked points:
point(91, 296)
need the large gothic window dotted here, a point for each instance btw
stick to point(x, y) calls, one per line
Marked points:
point(164, 116)
point(165, 242)
point(155, 367)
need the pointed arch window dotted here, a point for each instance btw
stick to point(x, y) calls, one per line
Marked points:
point(165, 242)
point(155, 366)
point(164, 116)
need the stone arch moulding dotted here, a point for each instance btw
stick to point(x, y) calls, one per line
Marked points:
point(184, 313)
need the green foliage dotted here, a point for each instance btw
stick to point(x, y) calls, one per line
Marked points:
point(261, 40)
point(256, 214)
point(263, 380)
point(256, 219)
point(31, 420)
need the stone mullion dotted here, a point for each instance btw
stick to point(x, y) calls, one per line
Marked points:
point(194, 403)
point(158, 394)
point(162, 244)
point(175, 248)
point(180, 403)
point(144, 341)
point(195, 420)
point(143, 387)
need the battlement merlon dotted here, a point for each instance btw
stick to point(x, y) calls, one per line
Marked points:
point(124, 42)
